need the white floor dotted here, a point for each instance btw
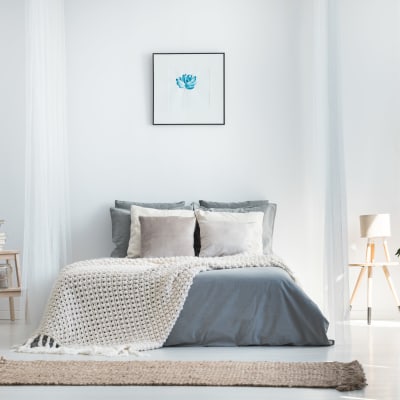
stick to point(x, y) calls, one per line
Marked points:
point(377, 347)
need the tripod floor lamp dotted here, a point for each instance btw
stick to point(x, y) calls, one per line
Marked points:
point(375, 227)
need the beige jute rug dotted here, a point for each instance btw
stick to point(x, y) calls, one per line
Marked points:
point(341, 376)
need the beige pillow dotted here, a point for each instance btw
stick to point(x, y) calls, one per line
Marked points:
point(167, 236)
point(224, 233)
point(135, 242)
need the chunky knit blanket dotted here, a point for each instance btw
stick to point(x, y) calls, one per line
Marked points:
point(119, 306)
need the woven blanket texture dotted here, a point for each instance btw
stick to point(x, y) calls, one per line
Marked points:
point(120, 306)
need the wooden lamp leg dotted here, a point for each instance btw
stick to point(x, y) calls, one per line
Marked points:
point(386, 250)
point(371, 255)
point(387, 275)
point(357, 285)
point(362, 272)
point(390, 283)
point(369, 294)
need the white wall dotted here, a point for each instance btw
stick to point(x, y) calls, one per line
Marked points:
point(12, 124)
point(115, 151)
point(12, 119)
point(370, 44)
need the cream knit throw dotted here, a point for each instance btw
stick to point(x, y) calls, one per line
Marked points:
point(119, 306)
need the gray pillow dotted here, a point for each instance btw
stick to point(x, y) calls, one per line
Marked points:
point(225, 238)
point(121, 222)
point(269, 210)
point(167, 236)
point(121, 231)
point(237, 204)
point(126, 205)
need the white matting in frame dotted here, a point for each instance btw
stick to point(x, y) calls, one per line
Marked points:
point(188, 88)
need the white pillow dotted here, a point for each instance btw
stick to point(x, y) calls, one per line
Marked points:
point(135, 241)
point(224, 233)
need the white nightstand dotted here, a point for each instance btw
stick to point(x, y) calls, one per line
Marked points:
point(370, 267)
point(11, 258)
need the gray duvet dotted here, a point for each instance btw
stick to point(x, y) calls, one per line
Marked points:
point(248, 306)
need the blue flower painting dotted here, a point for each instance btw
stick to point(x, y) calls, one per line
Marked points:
point(186, 81)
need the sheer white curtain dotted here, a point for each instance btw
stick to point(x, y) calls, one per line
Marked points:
point(46, 230)
point(331, 212)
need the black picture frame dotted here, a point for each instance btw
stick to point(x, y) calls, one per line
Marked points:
point(189, 88)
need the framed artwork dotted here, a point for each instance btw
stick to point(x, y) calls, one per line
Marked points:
point(188, 88)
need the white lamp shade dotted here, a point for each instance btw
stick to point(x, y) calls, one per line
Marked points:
point(375, 225)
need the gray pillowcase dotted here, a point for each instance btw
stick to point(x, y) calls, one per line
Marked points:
point(237, 204)
point(269, 210)
point(167, 236)
point(223, 238)
point(126, 205)
point(121, 231)
point(121, 222)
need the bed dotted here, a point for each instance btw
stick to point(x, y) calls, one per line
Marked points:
point(248, 306)
point(181, 277)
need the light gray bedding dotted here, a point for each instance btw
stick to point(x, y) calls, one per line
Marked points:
point(248, 306)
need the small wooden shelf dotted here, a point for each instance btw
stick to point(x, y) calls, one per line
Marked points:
point(369, 265)
point(8, 291)
point(375, 264)
point(11, 258)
